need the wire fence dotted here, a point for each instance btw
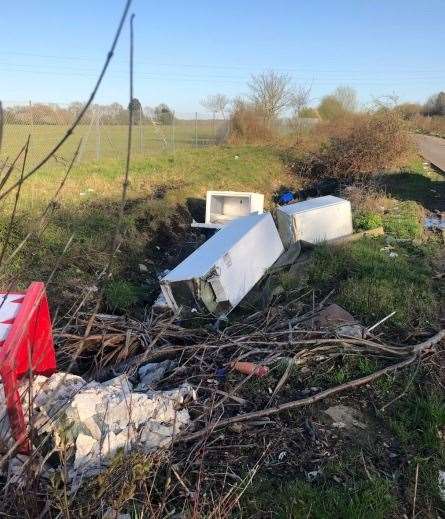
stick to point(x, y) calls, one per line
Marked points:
point(104, 130)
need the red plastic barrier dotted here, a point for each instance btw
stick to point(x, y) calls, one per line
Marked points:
point(26, 346)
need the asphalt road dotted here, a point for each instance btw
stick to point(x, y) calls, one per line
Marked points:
point(432, 149)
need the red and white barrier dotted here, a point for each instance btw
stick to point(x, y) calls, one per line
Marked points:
point(26, 347)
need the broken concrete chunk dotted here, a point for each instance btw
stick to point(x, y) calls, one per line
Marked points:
point(224, 269)
point(345, 417)
point(336, 318)
point(315, 220)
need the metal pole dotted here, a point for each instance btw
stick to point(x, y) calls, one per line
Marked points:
point(196, 129)
point(140, 129)
point(97, 137)
point(31, 113)
point(173, 134)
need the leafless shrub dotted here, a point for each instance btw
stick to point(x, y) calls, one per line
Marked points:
point(249, 124)
point(365, 145)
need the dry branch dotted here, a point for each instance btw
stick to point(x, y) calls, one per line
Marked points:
point(296, 403)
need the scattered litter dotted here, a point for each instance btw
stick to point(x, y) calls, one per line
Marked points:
point(313, 475)
point(236, 157)
point(336, 318)
point(345, 417)
point(282, 455)
point(285, 198)
point(222, 207)
point(315, 220)
point(142, 267)
point(435, 223)
point(250, 368)
point(151, 374)
point(393, 255)
point(224, 269)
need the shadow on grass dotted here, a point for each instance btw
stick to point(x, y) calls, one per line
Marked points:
point(414, 186)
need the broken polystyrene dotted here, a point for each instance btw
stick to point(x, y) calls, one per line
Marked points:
point(95, 420)
point(224, 206)
point(315, 220)
point(226, 267)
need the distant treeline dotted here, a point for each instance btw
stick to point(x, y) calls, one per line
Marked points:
point(112, 114)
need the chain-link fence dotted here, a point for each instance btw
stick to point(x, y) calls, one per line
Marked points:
point(104, 130)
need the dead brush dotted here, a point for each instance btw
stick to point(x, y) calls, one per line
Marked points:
point(365, 145)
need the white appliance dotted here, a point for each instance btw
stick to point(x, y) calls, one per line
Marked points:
point(315, 220)
point(225, 268)
point(224, 206)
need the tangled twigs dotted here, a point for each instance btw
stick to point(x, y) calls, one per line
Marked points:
point(296, 403)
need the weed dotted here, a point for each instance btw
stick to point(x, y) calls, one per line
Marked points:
point(364, 221)
point(121, 295)
point(405, 221)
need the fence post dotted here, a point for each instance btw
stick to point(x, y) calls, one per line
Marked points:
point(173, 134)
point(140, 129)
point(97, 137)
point(196, 129)
point(31, 113)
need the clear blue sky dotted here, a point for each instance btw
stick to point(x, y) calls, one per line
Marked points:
point(51, 50)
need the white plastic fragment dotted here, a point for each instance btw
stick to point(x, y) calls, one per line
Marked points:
point(315, 220)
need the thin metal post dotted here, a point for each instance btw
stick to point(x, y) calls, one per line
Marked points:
point(196, 129)
point(173, 134)
point(97, 137)
point(31, 113)
point(140, 129)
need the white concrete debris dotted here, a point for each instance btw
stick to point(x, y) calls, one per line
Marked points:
point(226, 267)
point(222, 207)
point(95, 420)
point(315, 220)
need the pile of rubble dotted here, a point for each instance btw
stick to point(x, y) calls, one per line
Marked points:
point(92, 420)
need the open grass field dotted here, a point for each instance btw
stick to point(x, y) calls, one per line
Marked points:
point(110, 141)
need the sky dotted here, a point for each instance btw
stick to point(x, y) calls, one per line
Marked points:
point(52, 50)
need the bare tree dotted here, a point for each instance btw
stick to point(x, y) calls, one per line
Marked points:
point(271, 92)
point(347, 97)
point(216, 104)
point(300, 99)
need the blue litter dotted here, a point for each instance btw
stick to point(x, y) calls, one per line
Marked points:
point(285, 198)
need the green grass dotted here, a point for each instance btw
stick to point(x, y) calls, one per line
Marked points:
point(165, 193)
point(361, 499)
point(367, 220)
point(370, 284)
point(405, 221)
point(110, 141)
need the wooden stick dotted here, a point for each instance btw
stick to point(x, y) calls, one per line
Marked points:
point(297, 403)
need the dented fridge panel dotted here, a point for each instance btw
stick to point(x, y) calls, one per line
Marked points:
point(225, 268)
point(315, 220)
